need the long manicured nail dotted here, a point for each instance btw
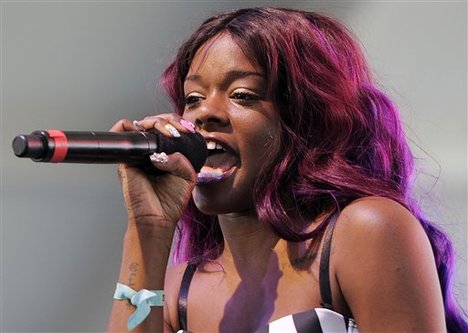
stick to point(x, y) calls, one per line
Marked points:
point(188, 125)
point(171, 129)
point(160, 158)
point(137, 125)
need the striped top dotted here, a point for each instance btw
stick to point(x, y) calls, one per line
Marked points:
point(319, 320)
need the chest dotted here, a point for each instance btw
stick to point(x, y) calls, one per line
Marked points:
point(219, 302)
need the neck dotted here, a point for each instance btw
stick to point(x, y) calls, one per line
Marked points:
point(248, 245)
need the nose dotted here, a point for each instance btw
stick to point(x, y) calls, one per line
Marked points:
point(212, 114)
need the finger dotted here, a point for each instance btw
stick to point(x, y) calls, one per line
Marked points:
point(162, 125)
point(161, 115)
point(137, 125)
point(188, 125)
point(123, 125)
point(182, 125)
point(177, 164)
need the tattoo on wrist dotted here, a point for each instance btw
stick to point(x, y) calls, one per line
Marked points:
point(133, 267)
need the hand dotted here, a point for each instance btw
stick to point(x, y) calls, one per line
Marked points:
point(157, 201)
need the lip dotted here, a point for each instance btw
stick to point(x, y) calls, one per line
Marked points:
point(204, 179)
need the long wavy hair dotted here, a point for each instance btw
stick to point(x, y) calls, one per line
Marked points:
point(341, 137)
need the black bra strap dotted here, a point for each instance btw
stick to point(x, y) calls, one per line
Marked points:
point(183, 293)
point(324, 275)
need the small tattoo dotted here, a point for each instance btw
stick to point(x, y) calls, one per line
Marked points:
point(133, 267)
point(131, 282)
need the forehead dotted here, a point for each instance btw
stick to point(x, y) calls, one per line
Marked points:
point(221, 54)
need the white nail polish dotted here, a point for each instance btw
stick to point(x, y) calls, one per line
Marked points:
point(171, 129)
point(160, 158)
point(137, 125)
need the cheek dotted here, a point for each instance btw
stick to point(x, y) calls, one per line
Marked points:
point(262, 148)
point(263, 143)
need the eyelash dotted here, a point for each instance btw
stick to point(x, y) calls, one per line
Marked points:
point(190, 100)
point(242, 97)
point(245, 96)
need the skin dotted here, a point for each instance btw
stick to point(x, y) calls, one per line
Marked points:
point(381, 267)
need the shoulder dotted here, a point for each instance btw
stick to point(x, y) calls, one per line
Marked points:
point(171, 289)
point(373, 229)
point(377, 217)
point(384, 265)
point(375, 209)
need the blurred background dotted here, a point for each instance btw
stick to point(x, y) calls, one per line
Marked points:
point(84, 65)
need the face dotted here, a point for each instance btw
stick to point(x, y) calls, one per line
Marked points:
point(226, 99)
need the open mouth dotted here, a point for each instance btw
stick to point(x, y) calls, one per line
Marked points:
point(220, 164)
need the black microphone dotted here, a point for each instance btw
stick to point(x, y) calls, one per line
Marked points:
point(132, 148)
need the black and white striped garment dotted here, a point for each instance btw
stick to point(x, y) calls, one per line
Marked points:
point(318, 320)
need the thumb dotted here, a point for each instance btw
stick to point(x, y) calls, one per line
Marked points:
point(176, 163)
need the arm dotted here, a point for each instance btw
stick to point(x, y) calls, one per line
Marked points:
point(386, 270)
point(144, 260)
point(154, 205)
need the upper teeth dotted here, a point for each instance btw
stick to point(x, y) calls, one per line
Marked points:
point(211, 145)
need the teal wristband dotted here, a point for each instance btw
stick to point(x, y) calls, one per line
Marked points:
point(143, 300)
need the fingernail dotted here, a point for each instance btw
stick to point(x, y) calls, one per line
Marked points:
point(160, 158)
point(188, 125)
point(171, 129)
point(137, 125)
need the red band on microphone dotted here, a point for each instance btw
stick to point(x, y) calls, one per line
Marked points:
point(61, 145)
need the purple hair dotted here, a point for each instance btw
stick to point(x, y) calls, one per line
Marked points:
point(341, 137)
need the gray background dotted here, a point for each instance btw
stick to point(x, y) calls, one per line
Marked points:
point(84, 65)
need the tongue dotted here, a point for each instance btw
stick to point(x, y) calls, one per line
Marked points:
point(220, 161)
point(216, 166)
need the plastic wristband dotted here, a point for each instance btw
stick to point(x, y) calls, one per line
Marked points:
point(143, 300)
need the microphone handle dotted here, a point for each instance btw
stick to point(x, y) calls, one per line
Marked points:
point(132, 148)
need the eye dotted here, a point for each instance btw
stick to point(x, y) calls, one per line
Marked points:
point(192, 99)
point(245, 96)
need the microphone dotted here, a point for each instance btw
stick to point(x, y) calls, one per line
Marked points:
point(132, 148)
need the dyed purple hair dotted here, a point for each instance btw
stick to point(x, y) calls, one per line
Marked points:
point(341, 137)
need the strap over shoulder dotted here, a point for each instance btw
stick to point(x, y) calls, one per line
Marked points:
point(183, 293)
point(324, 274)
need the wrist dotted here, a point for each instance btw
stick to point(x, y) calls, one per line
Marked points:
point(150, 228)
point(144, 259)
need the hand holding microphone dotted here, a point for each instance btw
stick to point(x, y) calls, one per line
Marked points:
point(158, 199)
point(132, 147)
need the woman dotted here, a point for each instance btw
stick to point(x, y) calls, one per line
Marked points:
point(301, 217)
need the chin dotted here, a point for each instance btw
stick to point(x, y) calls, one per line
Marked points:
point(211, 207)
point(219, 204)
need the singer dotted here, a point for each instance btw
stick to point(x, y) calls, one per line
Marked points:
point(301, 219)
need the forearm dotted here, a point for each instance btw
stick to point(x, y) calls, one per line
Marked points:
point(144, 260)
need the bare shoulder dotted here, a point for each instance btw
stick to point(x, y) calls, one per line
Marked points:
point(384, 265)
point(377, 209)
point(171, 289)
point(377, 229)
point(375, 217)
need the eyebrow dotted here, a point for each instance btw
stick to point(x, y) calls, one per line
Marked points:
point(229, 76)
